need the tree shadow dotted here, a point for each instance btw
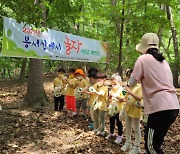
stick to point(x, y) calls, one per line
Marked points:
point(17, 131)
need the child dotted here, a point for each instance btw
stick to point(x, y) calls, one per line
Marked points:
point(59, 86)
point(92, 72)
point(115, 107)
point(81, 85)
point(132, 117)
point(100, 104)
point(70, 98)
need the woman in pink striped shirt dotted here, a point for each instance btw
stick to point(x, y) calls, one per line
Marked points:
point(159, 94)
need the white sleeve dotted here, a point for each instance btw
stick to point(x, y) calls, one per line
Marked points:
point(132, 82)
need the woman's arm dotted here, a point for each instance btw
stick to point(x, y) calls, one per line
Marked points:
point(132, 82)
point(139, 98)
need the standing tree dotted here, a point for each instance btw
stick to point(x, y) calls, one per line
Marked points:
point(23, 70)
point(35, 96)
point(175, 45)
point(119, 25)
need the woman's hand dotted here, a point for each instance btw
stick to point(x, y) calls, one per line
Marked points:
point(132, 94)
point(127, 90)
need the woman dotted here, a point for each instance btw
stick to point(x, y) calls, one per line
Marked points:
point(160, 100)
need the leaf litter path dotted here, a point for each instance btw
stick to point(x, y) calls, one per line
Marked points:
point(47, 132)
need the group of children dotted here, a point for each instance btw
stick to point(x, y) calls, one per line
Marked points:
point(102, 97)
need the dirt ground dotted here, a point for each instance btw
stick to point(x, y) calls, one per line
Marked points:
point(47, 132)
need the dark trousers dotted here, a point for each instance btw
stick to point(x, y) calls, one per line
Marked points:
point(59, 103)
point(157, 126)
point(118, 123)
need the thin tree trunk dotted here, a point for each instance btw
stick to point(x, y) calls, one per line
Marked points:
point(4, 73)
point(77, 25)
point(175, 44)
point(121, 39)
point(9, 72)
point(160, 30)
point(127, 24)
point(166, 49)
point(120, 31)
point(23, 70)
point(49, 66)
point(145, 7)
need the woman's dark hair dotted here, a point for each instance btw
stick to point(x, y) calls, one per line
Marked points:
point(72, 70)
point(128, 72)
point(61, 70)
point(101, 76)
point(154, 52)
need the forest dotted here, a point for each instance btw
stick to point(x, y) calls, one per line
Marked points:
point(29, 123)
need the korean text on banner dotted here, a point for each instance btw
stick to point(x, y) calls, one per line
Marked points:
point(21, 40)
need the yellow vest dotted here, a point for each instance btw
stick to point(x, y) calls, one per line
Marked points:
point(60, 84)
point(102, 99)
point(118, 93)
point(91, 97)
point(81, 84)
point(70, 89)
point(130, 107)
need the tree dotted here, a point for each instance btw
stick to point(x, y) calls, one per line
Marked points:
point(35, 96)
point(51, 15)
point(121, 23)
point(121, 38)
point(175, 45)
point(23, 70)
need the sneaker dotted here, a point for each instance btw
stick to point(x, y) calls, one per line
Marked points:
point(135, 150)
point(91, 126)
point(84, 117)
point(69, 114)
point(96, 131)
point(109, 136)
point(74, 113)
point(118, 139)
point(126, 147)
point(102, 134)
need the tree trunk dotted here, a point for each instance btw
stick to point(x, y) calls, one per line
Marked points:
point(175, 44)
point(9, 72)
point(166, 49)
point(23, 70)
point(120, 31)
point(4, 73)
point(49, 66)
point(160, 30)
point(35, 96)
point(145, 7)
point(121, 39)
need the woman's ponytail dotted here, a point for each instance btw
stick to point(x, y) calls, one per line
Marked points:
point(154, 52)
